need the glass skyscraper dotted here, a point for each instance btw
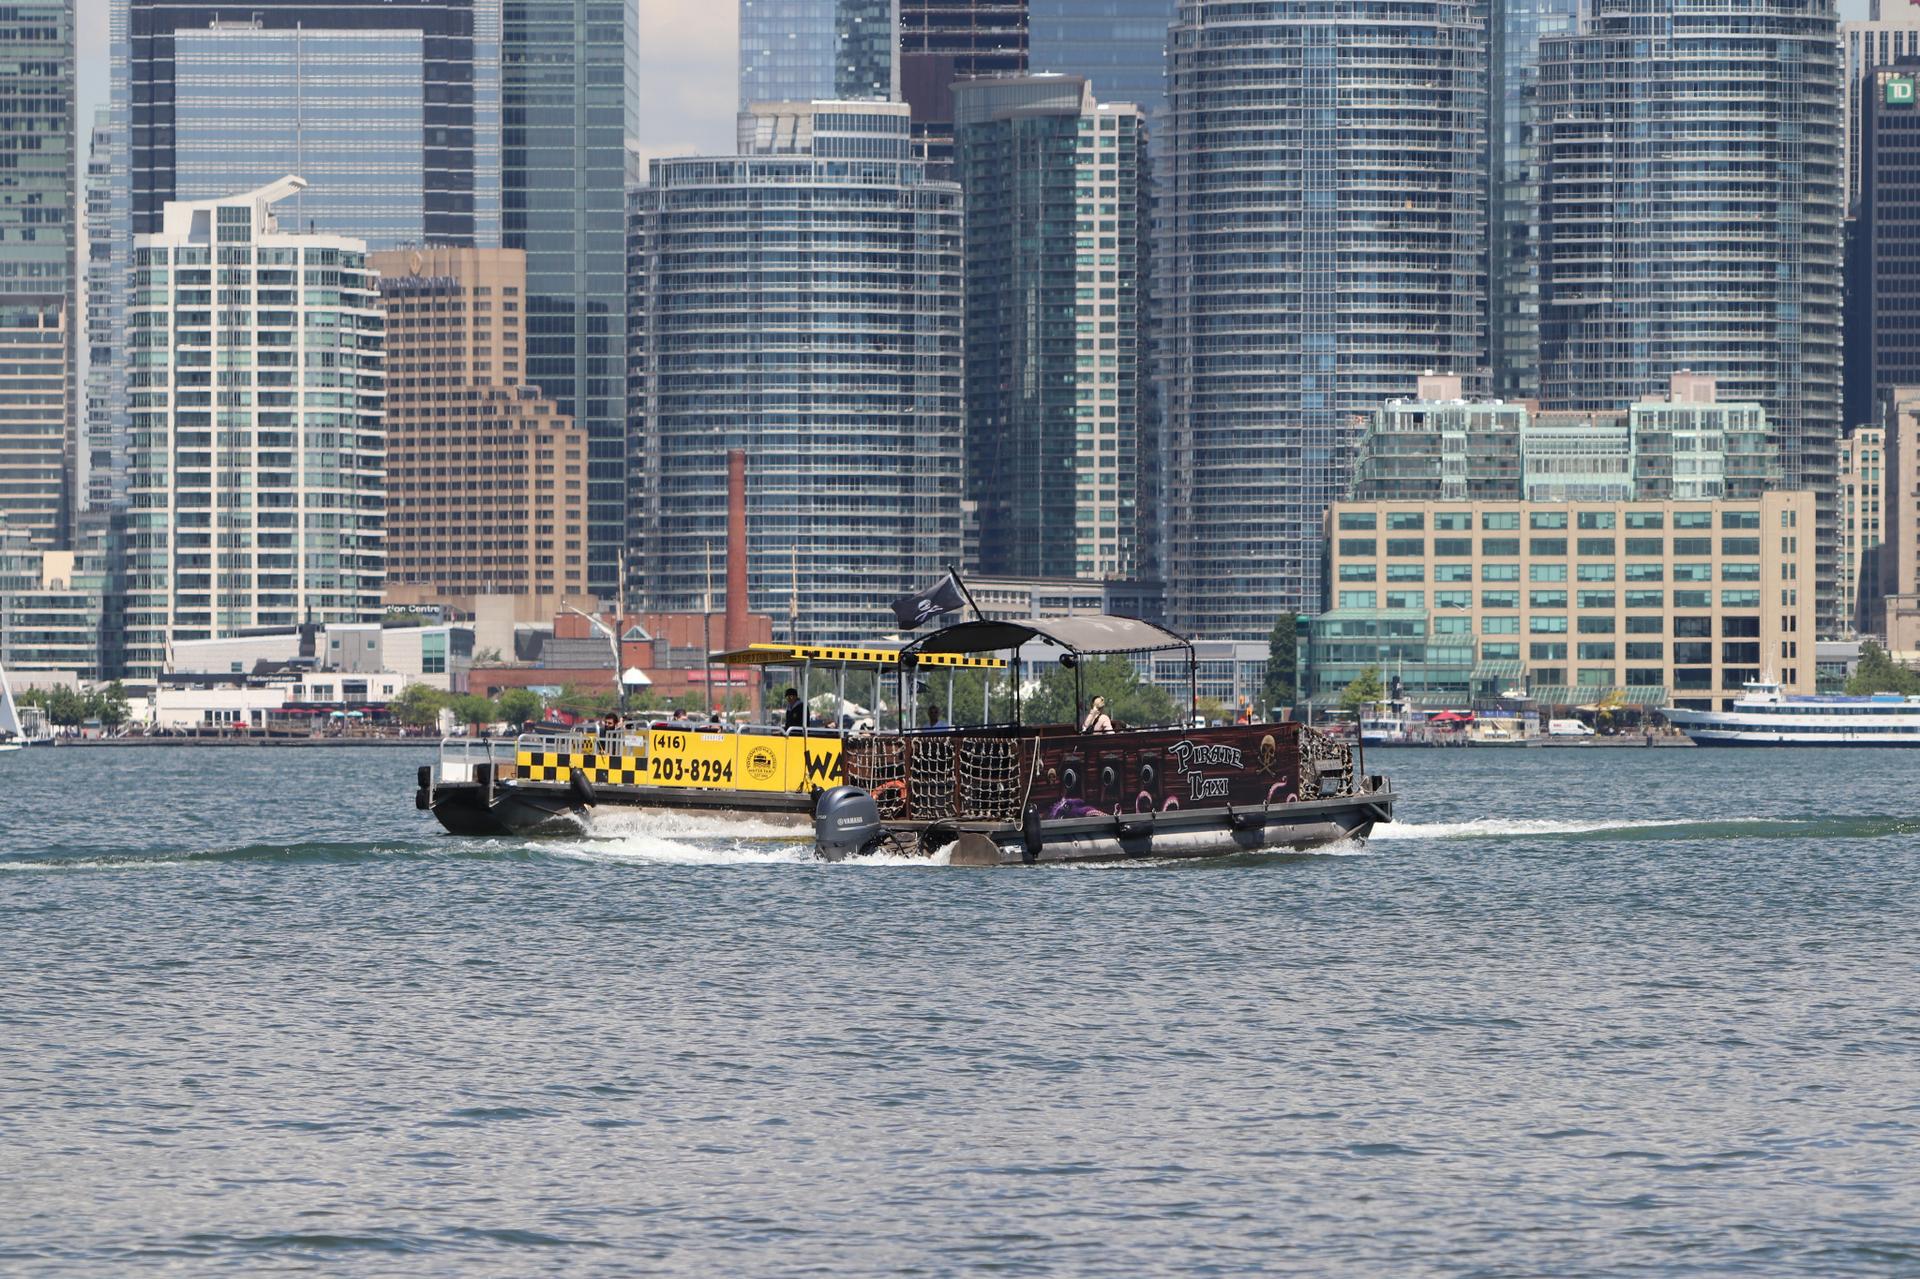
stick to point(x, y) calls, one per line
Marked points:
point(569, 91)
point(1691, 208)
point(343, 109)
point(801, 301)
point(1889, 36)
point(389, 108)
point(106, 478)
point(942, 41)
point(1057, 218)
point(38, 265)
point(1323, 239)
point(816, 50)
point(1513, 213)
point(1120, 45)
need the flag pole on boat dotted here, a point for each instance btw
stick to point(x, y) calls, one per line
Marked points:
point(961, 582)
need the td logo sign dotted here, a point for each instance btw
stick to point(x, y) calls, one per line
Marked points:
point(1899, 91)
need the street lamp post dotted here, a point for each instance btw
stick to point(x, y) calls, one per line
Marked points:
point(613, 642)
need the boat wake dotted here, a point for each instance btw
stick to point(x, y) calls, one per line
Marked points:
point(1497, 829)
point(615, 824)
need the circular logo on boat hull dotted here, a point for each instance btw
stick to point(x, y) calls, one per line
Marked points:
point(760, 764)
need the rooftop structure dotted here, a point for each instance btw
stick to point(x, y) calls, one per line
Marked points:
point(1686, 444)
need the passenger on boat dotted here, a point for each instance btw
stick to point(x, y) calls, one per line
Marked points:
point(935, 720)
point(1097, 721)
point(796, 713)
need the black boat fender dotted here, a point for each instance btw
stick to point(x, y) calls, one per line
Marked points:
point(1244, 819)
point(423, 798)
point(581, 786)
point(1031, 836)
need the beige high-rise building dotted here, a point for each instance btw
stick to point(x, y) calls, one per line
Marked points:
point(486, 480)
point(1863, 520)
point(1895, 611)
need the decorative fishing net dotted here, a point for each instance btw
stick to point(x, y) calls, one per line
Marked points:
point(930, 778)
point(877, 765)
point(990, 780)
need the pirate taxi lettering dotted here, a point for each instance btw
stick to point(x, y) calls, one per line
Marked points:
point(1192, 758)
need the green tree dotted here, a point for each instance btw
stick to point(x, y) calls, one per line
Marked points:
point(64, 706)
point(518, 706)
point(471, 708)
point(577, 701)
point(418, 705)
point(1879, 673)
point(109, 705)
point(1130, 700)
point(1364, 691)
point(1283, 647)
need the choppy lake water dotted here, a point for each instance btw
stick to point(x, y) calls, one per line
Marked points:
point(1580, 1012)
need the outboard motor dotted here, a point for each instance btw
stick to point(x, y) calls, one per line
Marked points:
point(846, 823)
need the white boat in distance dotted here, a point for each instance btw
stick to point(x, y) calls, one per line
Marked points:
point(11, 738)
point(1763, 716)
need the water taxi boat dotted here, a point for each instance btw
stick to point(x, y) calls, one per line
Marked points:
point(1764, 716)
point(550, 782)
point(1022, 793)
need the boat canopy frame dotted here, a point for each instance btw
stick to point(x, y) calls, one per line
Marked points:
point(843, 656)
point(1090, 635)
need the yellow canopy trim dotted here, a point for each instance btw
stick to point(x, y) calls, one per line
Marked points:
point(783, 654)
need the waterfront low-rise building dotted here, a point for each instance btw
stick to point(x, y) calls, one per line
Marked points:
point(1567, 603)
point(437, 656)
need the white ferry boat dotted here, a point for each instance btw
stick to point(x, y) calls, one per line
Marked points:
point(1763, 716)
point(1386, 730)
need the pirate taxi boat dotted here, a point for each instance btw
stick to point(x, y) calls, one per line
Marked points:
point(1022, 793)
point(550, 782)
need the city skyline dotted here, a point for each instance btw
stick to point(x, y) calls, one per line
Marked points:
point(1333, 217)
point(688, 62)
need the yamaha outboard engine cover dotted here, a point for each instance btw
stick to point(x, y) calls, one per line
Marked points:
point(846, 823)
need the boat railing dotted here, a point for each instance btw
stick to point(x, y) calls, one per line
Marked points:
point(992, 776)
point(622, 743)
point(459, 756)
